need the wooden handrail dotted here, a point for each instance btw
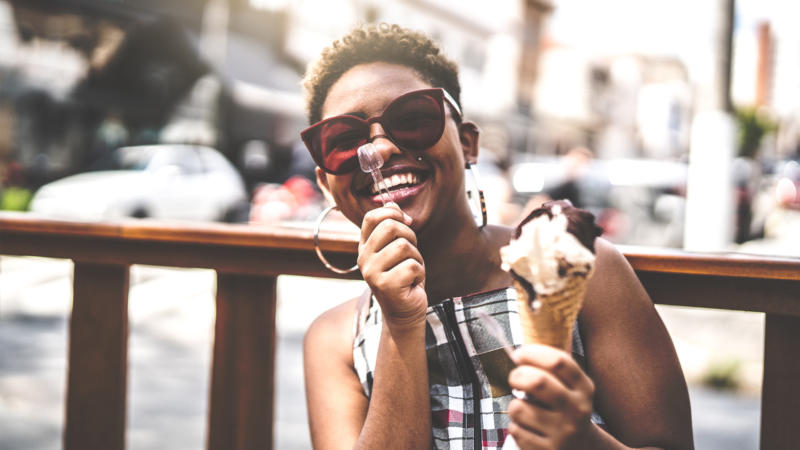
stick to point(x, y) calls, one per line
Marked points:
point(715, 264)
point(227, 248)
point(249, 258)
point(281, 237)
point(300, 238)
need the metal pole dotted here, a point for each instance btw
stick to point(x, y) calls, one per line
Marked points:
point(710, 203)
point(724, 52)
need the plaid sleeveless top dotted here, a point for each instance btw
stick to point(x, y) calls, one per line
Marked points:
point(467, 367)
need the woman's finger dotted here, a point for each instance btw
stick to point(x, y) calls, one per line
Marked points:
point(373, 217)
point(387, 231)
point(556, 362)
point(396, 251)
point(526, 438)
point(541, 386)
point(384, 237)
point(376, 262)
point(532, 416)
point(408, 272)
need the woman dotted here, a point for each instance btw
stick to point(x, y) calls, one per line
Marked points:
point(383, 383)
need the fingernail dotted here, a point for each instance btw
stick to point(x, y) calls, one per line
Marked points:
point(406, 218)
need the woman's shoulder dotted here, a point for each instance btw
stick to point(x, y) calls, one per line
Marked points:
point(500, 233)
point(608, 257)
point(615, 299)
point(332, 331)
point(613, 283)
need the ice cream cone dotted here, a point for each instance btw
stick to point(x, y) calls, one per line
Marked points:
point(552, 320)
point(555, 255)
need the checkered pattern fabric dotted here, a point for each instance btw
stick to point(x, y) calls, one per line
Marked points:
point(467, 367)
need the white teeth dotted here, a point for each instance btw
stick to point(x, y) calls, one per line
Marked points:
point(397, 180)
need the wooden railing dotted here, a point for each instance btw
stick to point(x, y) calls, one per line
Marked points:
point(249, 259)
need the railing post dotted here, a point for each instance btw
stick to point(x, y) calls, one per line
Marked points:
point(780, 392)
point(242, 379)
point(98, 352)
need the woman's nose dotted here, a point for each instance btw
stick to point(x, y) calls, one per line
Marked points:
point(381, 141)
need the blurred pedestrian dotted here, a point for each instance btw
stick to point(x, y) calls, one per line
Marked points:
point(576, 164)
point(296, 199)
point(583, 187)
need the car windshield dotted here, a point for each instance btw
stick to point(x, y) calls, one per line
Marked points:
point(126, 158)
point(134, 158)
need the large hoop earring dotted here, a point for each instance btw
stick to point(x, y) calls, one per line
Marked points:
point(477, 202)
point(321, 257)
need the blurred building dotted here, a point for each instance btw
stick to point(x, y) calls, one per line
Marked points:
point(661, 77)
point(621, 106)
point(83, 76)
point(765, 73)
point(496, 45)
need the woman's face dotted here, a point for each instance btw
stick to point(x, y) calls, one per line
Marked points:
point(428, 185)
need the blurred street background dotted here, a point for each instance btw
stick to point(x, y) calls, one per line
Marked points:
point(676, 123)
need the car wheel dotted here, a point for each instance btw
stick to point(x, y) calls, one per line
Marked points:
point(237, 213)
point(140, 213)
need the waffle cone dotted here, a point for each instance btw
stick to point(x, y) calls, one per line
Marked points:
point(552, 322)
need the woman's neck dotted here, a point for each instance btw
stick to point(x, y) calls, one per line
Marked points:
point(464, 261)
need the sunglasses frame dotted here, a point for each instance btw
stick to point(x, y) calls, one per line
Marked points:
point(309, 133)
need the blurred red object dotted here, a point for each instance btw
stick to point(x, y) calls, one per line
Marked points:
point(295, 199)
point(786, 193)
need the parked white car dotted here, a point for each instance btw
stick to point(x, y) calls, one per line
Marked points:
point(160, 181)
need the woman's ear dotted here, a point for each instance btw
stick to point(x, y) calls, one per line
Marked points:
point(322, 182)
point(469, 134)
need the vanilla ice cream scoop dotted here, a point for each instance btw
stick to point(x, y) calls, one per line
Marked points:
point(546, 254)
point(551, 259)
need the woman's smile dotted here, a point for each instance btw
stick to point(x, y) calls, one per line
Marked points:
point(403, 182)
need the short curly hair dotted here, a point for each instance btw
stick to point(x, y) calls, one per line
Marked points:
point(378, 43)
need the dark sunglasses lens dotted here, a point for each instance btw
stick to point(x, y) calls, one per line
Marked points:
point(338, 143)
point(415, 122)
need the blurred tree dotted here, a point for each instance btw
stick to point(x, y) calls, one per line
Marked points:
point(15, 198)
point(753, 124)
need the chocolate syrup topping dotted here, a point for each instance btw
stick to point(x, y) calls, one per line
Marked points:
point(527, 285)
point(579, 222)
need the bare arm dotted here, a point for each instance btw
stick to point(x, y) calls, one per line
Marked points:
point(640, 389)
point(340, 416)
point(336, 404)
point(398, 413)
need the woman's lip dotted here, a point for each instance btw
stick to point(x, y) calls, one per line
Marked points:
point(399, 195)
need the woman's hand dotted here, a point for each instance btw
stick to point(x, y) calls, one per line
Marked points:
point(556, 413)
point(392, 265)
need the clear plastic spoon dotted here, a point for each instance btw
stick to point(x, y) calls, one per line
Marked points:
point(371, 162)
point(491, 324)
point(494, 328)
